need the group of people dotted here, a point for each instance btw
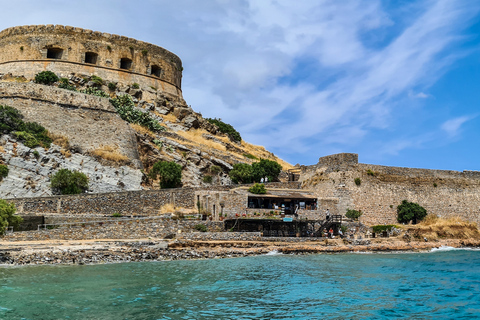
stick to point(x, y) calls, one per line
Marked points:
point(262, 180)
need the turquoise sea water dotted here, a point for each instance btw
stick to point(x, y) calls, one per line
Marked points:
point(437, 285)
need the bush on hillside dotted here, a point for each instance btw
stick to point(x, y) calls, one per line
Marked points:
point(226, 128)
point(126, 109)
point(410, 211)
point(7, 216)
point(30, 133)
point(169, 173)
point(65, 181)
point(46, 77)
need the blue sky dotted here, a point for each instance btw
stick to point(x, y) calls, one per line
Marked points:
point(395, 81)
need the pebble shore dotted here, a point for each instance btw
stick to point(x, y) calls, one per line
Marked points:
point(115, 251)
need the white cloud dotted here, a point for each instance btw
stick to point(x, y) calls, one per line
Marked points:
point(453, 126)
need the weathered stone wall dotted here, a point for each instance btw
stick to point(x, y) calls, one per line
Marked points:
point(127, 203)
point(25, 51)
point(442, 192)
point(121, 229)
point(86, 120)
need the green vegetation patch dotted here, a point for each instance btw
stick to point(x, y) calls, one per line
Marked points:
point(245, 173)
point(226, 128)
point(201, 227)
point(46, 77)
point(353, 214)
point(30, 133)
point(7, 216)
point(169, 173)
point(257, 188)
point(3, 171)
point(410, 211)
point(126, 109)
point(65, 181)
point(95, 92)
point(381, 228)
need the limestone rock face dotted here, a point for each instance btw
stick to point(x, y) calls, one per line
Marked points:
point(30, 171)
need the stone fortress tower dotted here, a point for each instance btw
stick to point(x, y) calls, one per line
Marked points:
point(28, 50)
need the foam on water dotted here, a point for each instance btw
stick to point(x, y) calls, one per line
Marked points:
point(273, 253)
point(447, 248)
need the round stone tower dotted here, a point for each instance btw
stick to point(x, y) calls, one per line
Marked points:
point(28, 50)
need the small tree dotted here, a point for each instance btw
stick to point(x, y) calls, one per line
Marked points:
point(241, 173)
point(410, 211)
point(7, 217)
point(353, 214)
point(169, 172)
point(266, 168)
point(46, 77)
point(65, 181)
point(257, 188)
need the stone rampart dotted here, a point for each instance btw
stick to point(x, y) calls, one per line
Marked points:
point(27, 50)
point(380, 189)
point(87, 121)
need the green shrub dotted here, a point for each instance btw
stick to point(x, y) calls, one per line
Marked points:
point(215, 170)
point(117, 215)
point(112, 86)
point(435, 185)
point(372, 173)
point(227, 129)
point(144, 52)
point(381, 228)
point(46, 77)
point(207, 179)
point(3, 171)
point(96, 80)
point(410, 211)
point(10, 119)
point(65, 181)
point(126, 109)
point(257, 188)
point(65, 84)
point(7, 216)
point(169, 172)
point(353, 214)
point(95, 92)
point(135, 85)
point(358, 181)
point(36, 154)
point(201, 227)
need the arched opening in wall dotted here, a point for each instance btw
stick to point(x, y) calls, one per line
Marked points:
point(156, 71)
point(126, 63)
point(54, 53)
point(91, 57)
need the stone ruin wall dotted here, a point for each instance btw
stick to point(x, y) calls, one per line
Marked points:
point(441, 192)
point(88, 121)
point(25, 52)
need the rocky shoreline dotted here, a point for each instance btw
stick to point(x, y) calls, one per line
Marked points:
point(117, 251)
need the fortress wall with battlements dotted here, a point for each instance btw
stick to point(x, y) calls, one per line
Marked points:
point(28, 50)
point(445, 193)
point(87, 121)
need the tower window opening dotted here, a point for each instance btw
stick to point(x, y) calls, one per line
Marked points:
point(126, 63)
point(54, 53)
point(156, 71)
point(91, 57)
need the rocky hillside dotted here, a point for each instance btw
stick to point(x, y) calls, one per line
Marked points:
point(205, 153)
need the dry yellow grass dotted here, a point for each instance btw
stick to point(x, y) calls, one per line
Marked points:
point(66, 153)
point(169, 117)
point(433, 227)
point(261, 153)
point(195, 135)
point(167, 208)
point(59, 140)
point(2, 150)
point(142, 130)
point(110, 153)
